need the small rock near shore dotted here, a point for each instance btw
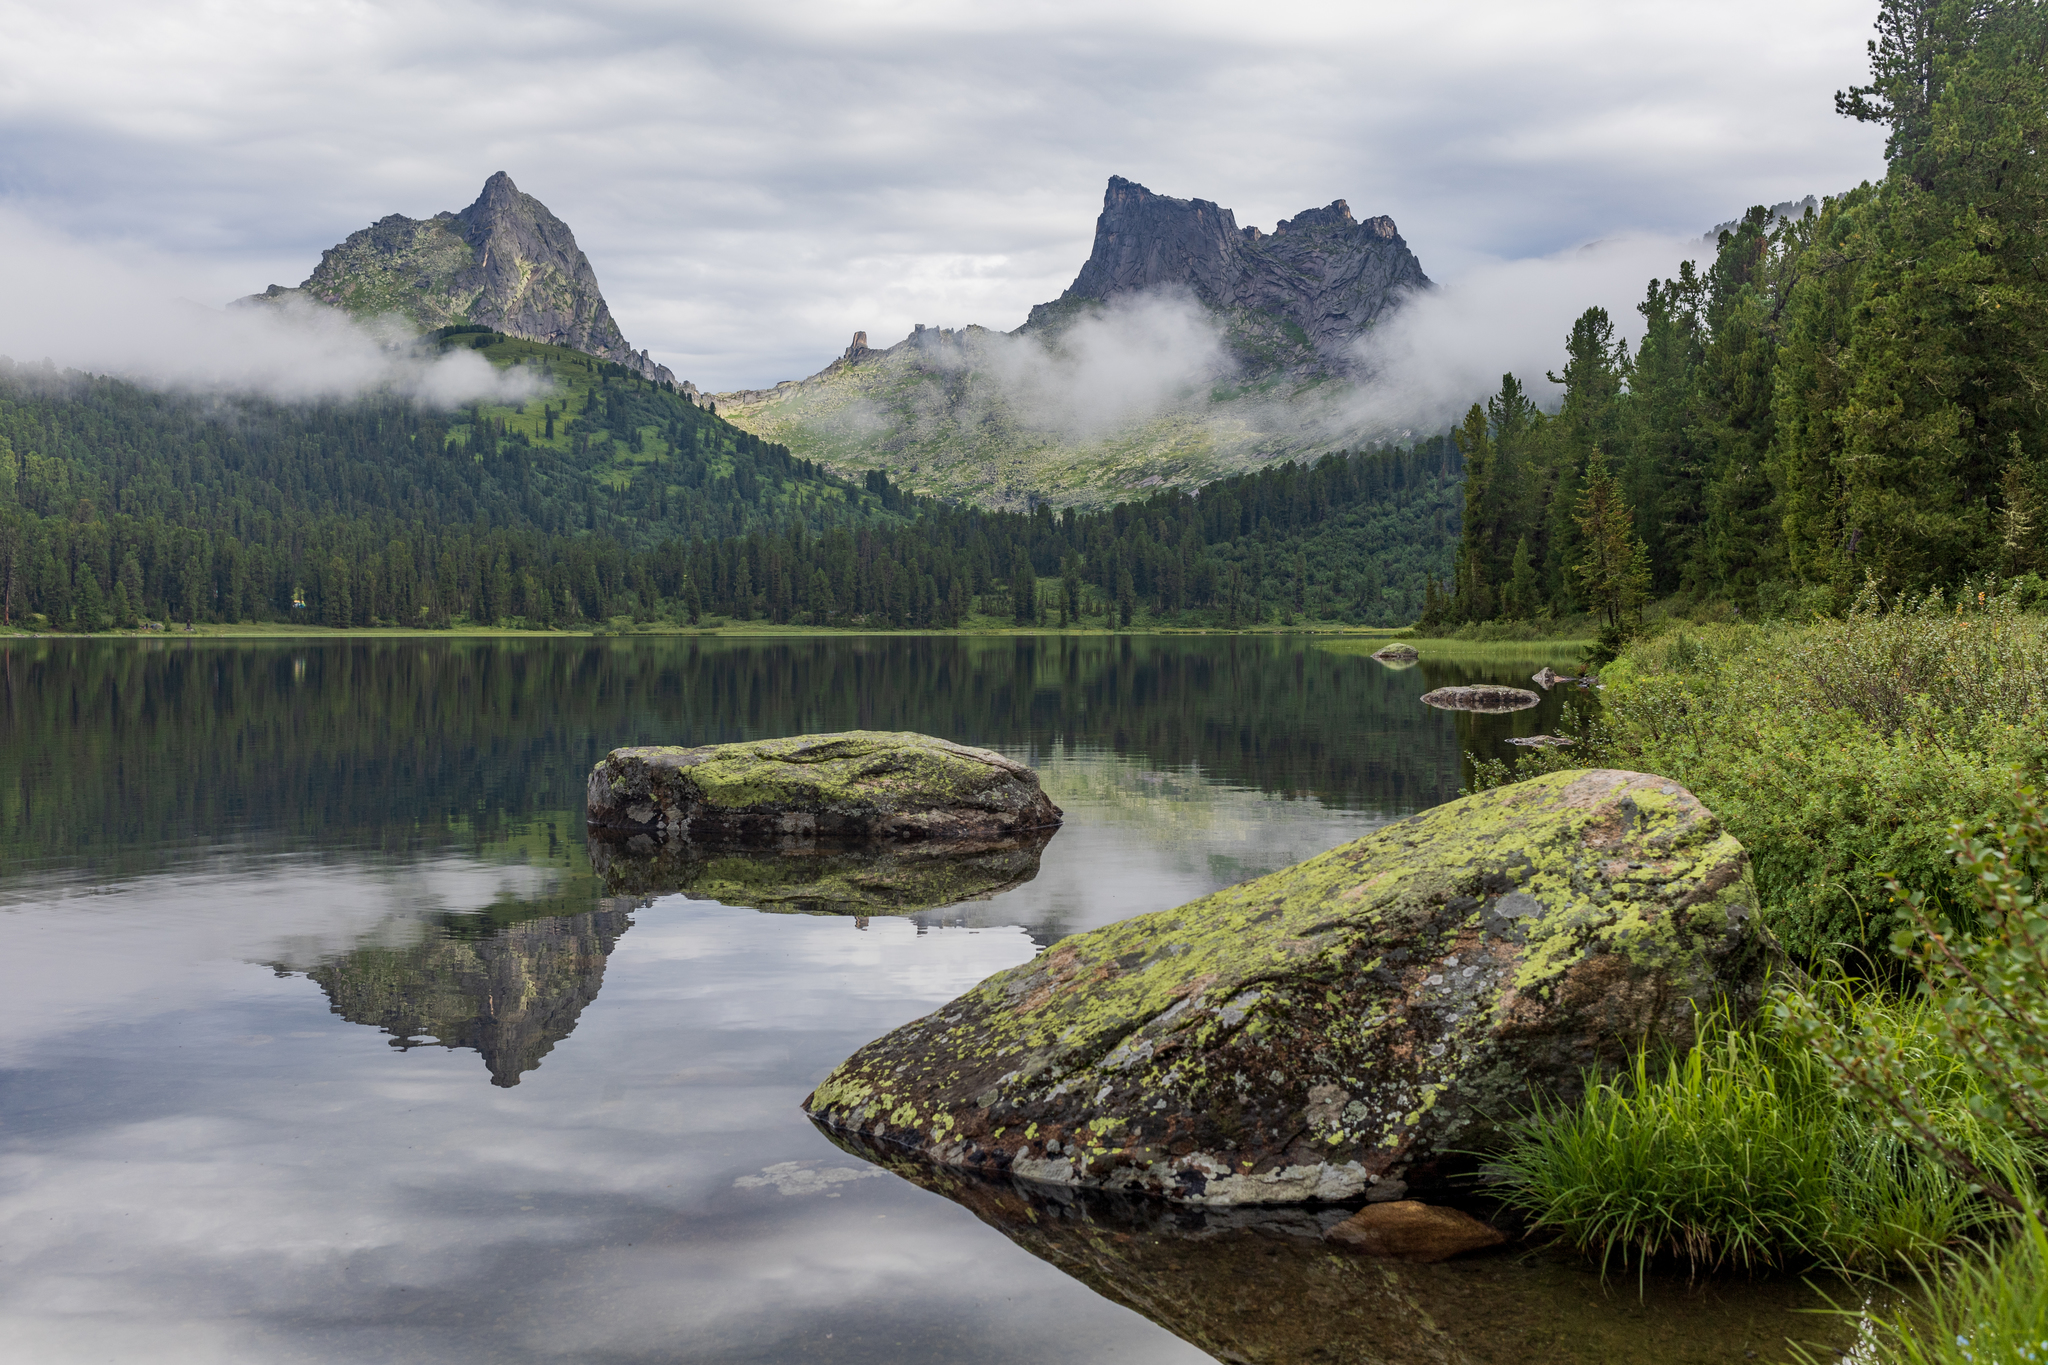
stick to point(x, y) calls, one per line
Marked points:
point(1413, 1231)
point(1398, 654)
point(859, 784)
point(1481, 699)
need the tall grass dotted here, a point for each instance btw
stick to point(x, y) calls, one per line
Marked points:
point(1985, 1309)
point(1739, 1154)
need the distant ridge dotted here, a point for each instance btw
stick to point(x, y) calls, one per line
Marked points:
point(506, 262)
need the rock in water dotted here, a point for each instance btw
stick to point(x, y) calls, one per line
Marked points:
point(1481, 699)
point(1414, 1231)
point(1370, 1014)
point(1398, 654)
point(862, 784)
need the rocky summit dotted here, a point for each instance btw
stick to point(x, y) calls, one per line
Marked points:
point(505, 263)
point(1265, 329)
point(1322, 271)
point(1353, 1025)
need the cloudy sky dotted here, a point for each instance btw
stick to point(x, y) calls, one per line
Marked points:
point(754, 182)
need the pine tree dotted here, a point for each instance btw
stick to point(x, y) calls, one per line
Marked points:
point(1614, 573)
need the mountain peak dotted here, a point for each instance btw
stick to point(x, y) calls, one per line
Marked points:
point(506, 262)
point(1321, 270)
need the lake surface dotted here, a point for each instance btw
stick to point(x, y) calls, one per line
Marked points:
point(323, 1038)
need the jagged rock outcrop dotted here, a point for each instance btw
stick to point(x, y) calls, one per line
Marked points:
point(1372, 1015)
point(1321, 270)
point(511, 995)
point(505, 262)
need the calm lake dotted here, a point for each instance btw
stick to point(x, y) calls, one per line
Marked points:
point(324, 1038)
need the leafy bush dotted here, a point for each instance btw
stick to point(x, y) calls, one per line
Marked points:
point(1837, 751)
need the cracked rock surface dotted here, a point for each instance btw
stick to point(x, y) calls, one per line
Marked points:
point(1368, 1016)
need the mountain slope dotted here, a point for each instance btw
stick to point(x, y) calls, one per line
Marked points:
point(505, 263)
point(1186, 349)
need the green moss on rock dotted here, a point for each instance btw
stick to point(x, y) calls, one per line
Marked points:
point(856, 784)
point(1362, 1018)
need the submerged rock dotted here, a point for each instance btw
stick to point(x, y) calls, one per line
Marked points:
point(862, 784)
point(1543, 741)
point(1368, 1015)
point(1398, 656)
point(1481, 699)
point(808, 876)
point(1414, 1231)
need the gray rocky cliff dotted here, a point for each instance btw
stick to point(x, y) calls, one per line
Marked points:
point(506, 262)
point(1322, 270)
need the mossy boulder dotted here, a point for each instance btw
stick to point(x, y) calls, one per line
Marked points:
point(819, 877)
point(1367, 1017)
point(860, 784)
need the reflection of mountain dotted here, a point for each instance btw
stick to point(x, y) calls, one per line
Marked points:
point(814, 878)
point(1259, 1286)
point(511, 994)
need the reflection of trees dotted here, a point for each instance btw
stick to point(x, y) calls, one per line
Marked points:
point(511, 992)
point(119, 746)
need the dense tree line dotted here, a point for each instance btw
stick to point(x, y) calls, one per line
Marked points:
point(119, 504)
point(1855, 393)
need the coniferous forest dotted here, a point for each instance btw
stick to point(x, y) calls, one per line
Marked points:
point(611, 496)
point(1853, 395)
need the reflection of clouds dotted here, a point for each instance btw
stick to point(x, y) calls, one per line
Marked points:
point(174, 941)
point(322, 1196)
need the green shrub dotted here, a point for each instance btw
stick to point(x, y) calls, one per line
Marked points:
point(1837, 751)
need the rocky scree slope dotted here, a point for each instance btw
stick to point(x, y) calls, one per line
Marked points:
point(505, 262)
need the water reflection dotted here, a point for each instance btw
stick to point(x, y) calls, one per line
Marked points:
point(1260, 1285)
point(817, 877)
point(232, 874)
point(510, 992)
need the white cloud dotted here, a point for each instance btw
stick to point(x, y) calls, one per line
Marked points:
point(754, 183)
point(129, 312)
point(1449, 347)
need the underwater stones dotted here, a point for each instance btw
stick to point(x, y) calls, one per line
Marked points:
point(1398, 656)
point(1373, 1014)
point(1543, 741)
point(1413, 1231)
point(1481, 699)
point(861, 784)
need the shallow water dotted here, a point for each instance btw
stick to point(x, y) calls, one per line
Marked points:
point(321, 1038)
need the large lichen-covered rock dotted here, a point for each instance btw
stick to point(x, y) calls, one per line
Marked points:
point(1370, 1015)
point(857, 784)
point(819, 877)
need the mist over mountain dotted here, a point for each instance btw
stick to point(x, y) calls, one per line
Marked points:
point(1321, 273)
point(1187, 348)
point(506, 262)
